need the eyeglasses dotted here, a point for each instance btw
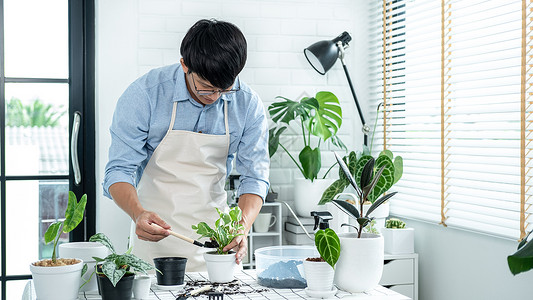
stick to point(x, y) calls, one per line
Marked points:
point(211, 92)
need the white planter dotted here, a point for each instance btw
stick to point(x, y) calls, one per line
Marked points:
point(220, 267)
point(399, 240)
point(307, 194)
point(319, 275)
point(57, 283)
point(141, 287)
point(360, 263)
point(85, 251)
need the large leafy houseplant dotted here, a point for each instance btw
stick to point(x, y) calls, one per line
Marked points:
point(319, 116)
point(368, 180)
point(227, 227)
point(115, 266)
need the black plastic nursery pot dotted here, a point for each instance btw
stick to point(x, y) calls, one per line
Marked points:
point(122, 291)
point(173, 269)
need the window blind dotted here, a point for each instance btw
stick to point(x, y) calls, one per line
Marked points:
point(452, 79)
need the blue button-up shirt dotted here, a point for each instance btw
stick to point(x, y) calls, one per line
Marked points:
point(142, 117)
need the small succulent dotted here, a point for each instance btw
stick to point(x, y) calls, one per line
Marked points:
point(394, 223)
point(363, 189)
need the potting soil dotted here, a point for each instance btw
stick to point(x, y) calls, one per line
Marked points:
point(282, 275)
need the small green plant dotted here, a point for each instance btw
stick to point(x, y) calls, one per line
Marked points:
point(115, 266)
point(363, 189)
point(328, 245)
point(73, 217)
point(227, 227)
point(394, 223)
point(320, 116)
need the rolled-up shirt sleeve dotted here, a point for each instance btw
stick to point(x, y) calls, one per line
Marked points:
point(129, 132)
point(252, 160)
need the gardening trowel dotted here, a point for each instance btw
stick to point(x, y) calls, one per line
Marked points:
point(207, 244)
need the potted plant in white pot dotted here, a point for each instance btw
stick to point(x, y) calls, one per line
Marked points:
point(319, 271)
point(115, 272)
point(397, 237)
point(319, 117)
point(47, 273)
point(360, 263)
point(220, 264)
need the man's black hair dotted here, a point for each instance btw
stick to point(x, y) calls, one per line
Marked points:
point(215, 50)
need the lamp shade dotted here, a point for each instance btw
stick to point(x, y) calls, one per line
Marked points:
point(322, 55)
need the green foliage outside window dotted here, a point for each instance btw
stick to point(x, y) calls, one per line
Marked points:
point(35, 114)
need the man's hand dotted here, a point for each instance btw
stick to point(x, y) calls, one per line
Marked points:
point(145, 231)
point(240, 245)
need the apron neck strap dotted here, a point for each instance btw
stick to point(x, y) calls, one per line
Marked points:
point(175, 106)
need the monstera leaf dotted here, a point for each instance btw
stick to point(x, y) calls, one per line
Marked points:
point(327, 116)
point(521, 260)
point(288, 110)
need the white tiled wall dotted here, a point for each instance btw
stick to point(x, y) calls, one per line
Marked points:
point(276, 31)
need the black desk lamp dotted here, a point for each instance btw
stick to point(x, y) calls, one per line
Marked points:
point(323, 55)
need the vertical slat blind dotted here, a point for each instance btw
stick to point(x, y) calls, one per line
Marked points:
point(455, 83)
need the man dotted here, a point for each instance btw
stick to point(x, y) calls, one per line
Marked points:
point(175, 132)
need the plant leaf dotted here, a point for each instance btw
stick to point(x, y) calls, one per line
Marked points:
point(366, 174)
point(386, 179)
point(345, 170)
point(273, 139)
point(137, 264)
point(328, 245)
point(398, 169)
point(286, 111)
point(104, 240)
point(369, 188)
point(235, 214)
point(335, 140)
point(347, 208)
point(335, 188)
point(75, 216)
point(328, 115)
point(378, 202)
point(387, 153)
point(113, 272)
point(311, 162)
point(521, 260)
point(52, 232)
point(361, 162)
point(204, 230)
point(84, 269)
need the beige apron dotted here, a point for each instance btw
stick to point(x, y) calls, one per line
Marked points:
point(183, 182)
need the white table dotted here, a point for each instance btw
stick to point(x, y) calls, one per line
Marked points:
point(253, 290)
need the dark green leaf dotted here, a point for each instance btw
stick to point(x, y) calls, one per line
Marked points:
point(286, 111)
point(386, 179)
point(366, 174)
point(378, 202)
point(521, 260)
point(52, 232)
point(98, 259)
point(345, 170)
point(104, 240)
point(363, 221)
point(369, 188)
point(352, 162)
point(84, 269)
point(335, 188)
point(137, 264)
point(76, 214)
point(347, 208)
point(361, 162)
point(273, 139)
point(311, 162)
point(328, 245)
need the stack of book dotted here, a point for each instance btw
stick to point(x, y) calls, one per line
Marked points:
point(294, 233)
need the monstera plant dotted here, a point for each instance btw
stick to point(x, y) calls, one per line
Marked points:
point(319, 116)
point(522, 259)
point(392, 172)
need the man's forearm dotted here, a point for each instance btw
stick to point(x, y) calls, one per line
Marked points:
point(250, 204)
point(125, 196)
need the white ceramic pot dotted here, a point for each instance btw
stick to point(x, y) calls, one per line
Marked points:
point(86, 251)
point(141, 287)
point(360, 263)
point(307, 194)
point(220, 267)
point(399, 240)
point(319, 275)
point(57, 283)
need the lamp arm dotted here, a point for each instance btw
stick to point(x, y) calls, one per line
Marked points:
point(366, 128)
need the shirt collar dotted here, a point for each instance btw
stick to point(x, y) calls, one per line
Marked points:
point(182, 94)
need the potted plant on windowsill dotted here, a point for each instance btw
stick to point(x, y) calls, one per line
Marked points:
point(360, 264)
point(220, 264)
point(115, 272)
point(47, 273)
point(398, 239)
point(319, 271)
point(320, 117)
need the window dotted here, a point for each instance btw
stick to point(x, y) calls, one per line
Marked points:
point(46, 75)
point(453, 83)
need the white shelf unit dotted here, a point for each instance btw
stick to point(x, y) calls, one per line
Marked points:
point(400, 274)
point(264, 239)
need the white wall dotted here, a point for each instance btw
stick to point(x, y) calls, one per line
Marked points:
point(136, 36)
